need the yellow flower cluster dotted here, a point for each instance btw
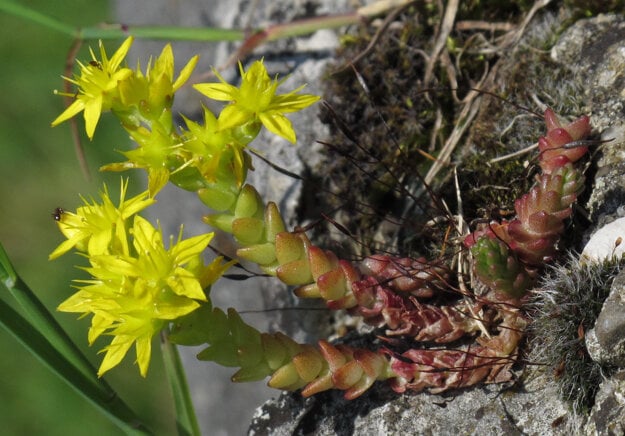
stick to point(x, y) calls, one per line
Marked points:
point(211, 156)
point(105, 85)
point(137, 285)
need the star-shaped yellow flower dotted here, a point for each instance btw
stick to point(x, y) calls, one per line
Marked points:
point(96, 228)
point(97, 86)
point(216, 155)
point(256, 100)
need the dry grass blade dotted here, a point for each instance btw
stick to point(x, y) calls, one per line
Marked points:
point(445, 29)
point(468, 113)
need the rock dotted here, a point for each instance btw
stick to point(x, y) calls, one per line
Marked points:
point(606, 242)
point(493, 409)
point(606, 341)
point(608, 415)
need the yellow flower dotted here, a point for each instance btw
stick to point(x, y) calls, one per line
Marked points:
point(97, 228)
point(97, 86)
point(153, 93)
point(159, 153)
point(256, 100)
point(135, 292)
point(216, 154)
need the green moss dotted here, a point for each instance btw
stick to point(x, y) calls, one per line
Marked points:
point(378, 132)
point(590, 8)
point(387, 126)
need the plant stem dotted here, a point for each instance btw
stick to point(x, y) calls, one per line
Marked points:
point(251, 40)
point(186, 420)
point(169, 33)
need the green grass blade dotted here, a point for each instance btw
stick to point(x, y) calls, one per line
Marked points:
point(43, 336)
point(109, 403)
point(43, 321)
point(118, 31)
point(185, 412)
point(32, 15)
point(169, 33)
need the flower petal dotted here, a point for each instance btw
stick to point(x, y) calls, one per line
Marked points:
point(115, 352)
point(292, 102)
point(218, 91)
point(93, 109)
point(233, 116)
point(278, 124)
point(185, 73)
point(120, 54)
point(74, 108)
point(144, 351)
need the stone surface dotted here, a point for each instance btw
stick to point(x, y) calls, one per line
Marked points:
point(606, 242)
point(608, 415)
point(606, 341)
point(487, 410)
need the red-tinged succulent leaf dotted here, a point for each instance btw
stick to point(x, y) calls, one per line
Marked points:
point(284, 377)
point(321, 384)
point(296, 272)
point(321, 261)
point(289, 344)
point(289, 247)
point(416, 276)
point(539, 225)
point(249, 203)
point(333, 355)
point(551, 119)
point(248, 231)
point(308, 363)
point(440, 370)
point(557, 137)
point(332, 285)
point(553, 150)
point(274, 223)
point(308, 291)
point(359, 388)
point(346, 302)
point(347, 375)
point(579, 128)
point(371, 363)
point(262, 254)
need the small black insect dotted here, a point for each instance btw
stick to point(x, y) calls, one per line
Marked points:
point(57, 213)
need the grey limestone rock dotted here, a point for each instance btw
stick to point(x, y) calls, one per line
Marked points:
point(606, 342)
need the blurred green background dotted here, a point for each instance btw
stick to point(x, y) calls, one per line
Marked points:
point(39, 172)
